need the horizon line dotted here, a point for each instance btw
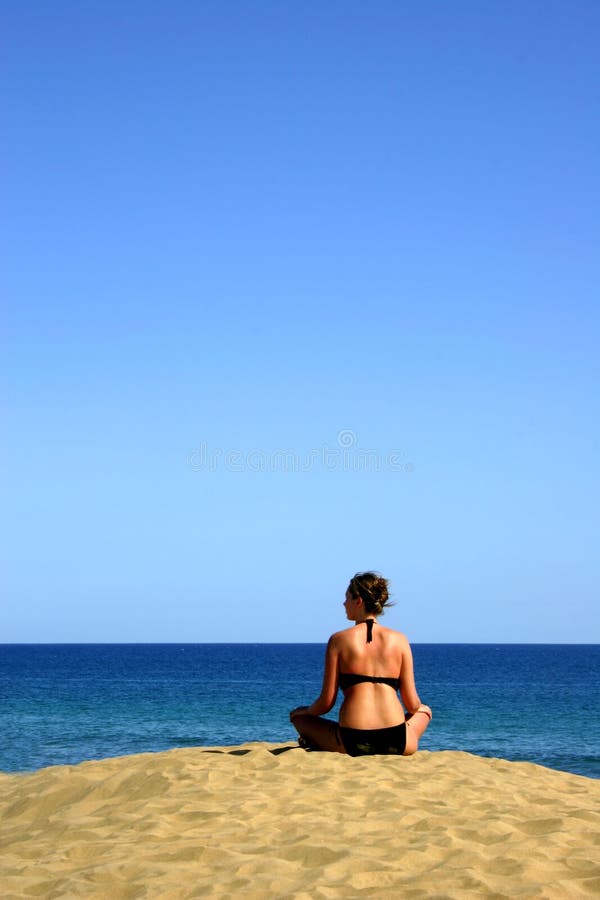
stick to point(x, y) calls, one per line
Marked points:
point(282, 643)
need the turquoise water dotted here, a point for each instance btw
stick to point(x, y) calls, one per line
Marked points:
point(63, 703)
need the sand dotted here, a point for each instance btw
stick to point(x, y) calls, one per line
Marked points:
point(265, 820)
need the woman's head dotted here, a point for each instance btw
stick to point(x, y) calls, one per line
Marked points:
point(372, 589)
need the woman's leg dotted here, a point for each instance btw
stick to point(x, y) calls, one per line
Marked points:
point(415, 728)
point(322, 734)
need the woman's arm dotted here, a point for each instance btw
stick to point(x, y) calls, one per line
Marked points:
point(408, 690)
point(326, 698)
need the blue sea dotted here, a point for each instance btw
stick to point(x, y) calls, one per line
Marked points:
point(64, 703)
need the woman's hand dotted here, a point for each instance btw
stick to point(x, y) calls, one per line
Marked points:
point(298, 711)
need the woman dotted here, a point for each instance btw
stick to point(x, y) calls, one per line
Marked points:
point(370, 664)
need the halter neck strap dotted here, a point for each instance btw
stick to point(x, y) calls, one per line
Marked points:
point(370, 623)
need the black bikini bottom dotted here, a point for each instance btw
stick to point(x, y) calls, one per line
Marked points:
point(369, 741)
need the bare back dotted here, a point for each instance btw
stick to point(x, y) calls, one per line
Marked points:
point(388, 654)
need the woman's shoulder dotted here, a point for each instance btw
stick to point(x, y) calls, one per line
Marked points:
point(346, 634)
point(338, 637)
point(394, 635)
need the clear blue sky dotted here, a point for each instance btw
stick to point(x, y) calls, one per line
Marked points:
point(238, 228)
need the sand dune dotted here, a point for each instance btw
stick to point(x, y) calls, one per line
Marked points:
point(268, 820)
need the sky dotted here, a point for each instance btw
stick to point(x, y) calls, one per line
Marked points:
point(292, 291)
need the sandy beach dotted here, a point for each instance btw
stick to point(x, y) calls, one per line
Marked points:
point(265, 820)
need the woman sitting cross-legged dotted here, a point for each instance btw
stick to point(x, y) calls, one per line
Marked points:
point(370, 664)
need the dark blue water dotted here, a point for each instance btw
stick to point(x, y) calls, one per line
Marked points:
point(69, 702)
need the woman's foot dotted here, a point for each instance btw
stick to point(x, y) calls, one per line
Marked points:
point(422, 709)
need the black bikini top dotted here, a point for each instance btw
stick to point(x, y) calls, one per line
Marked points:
point(349, 679)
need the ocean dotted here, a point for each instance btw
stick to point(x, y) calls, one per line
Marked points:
point(64, 703)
